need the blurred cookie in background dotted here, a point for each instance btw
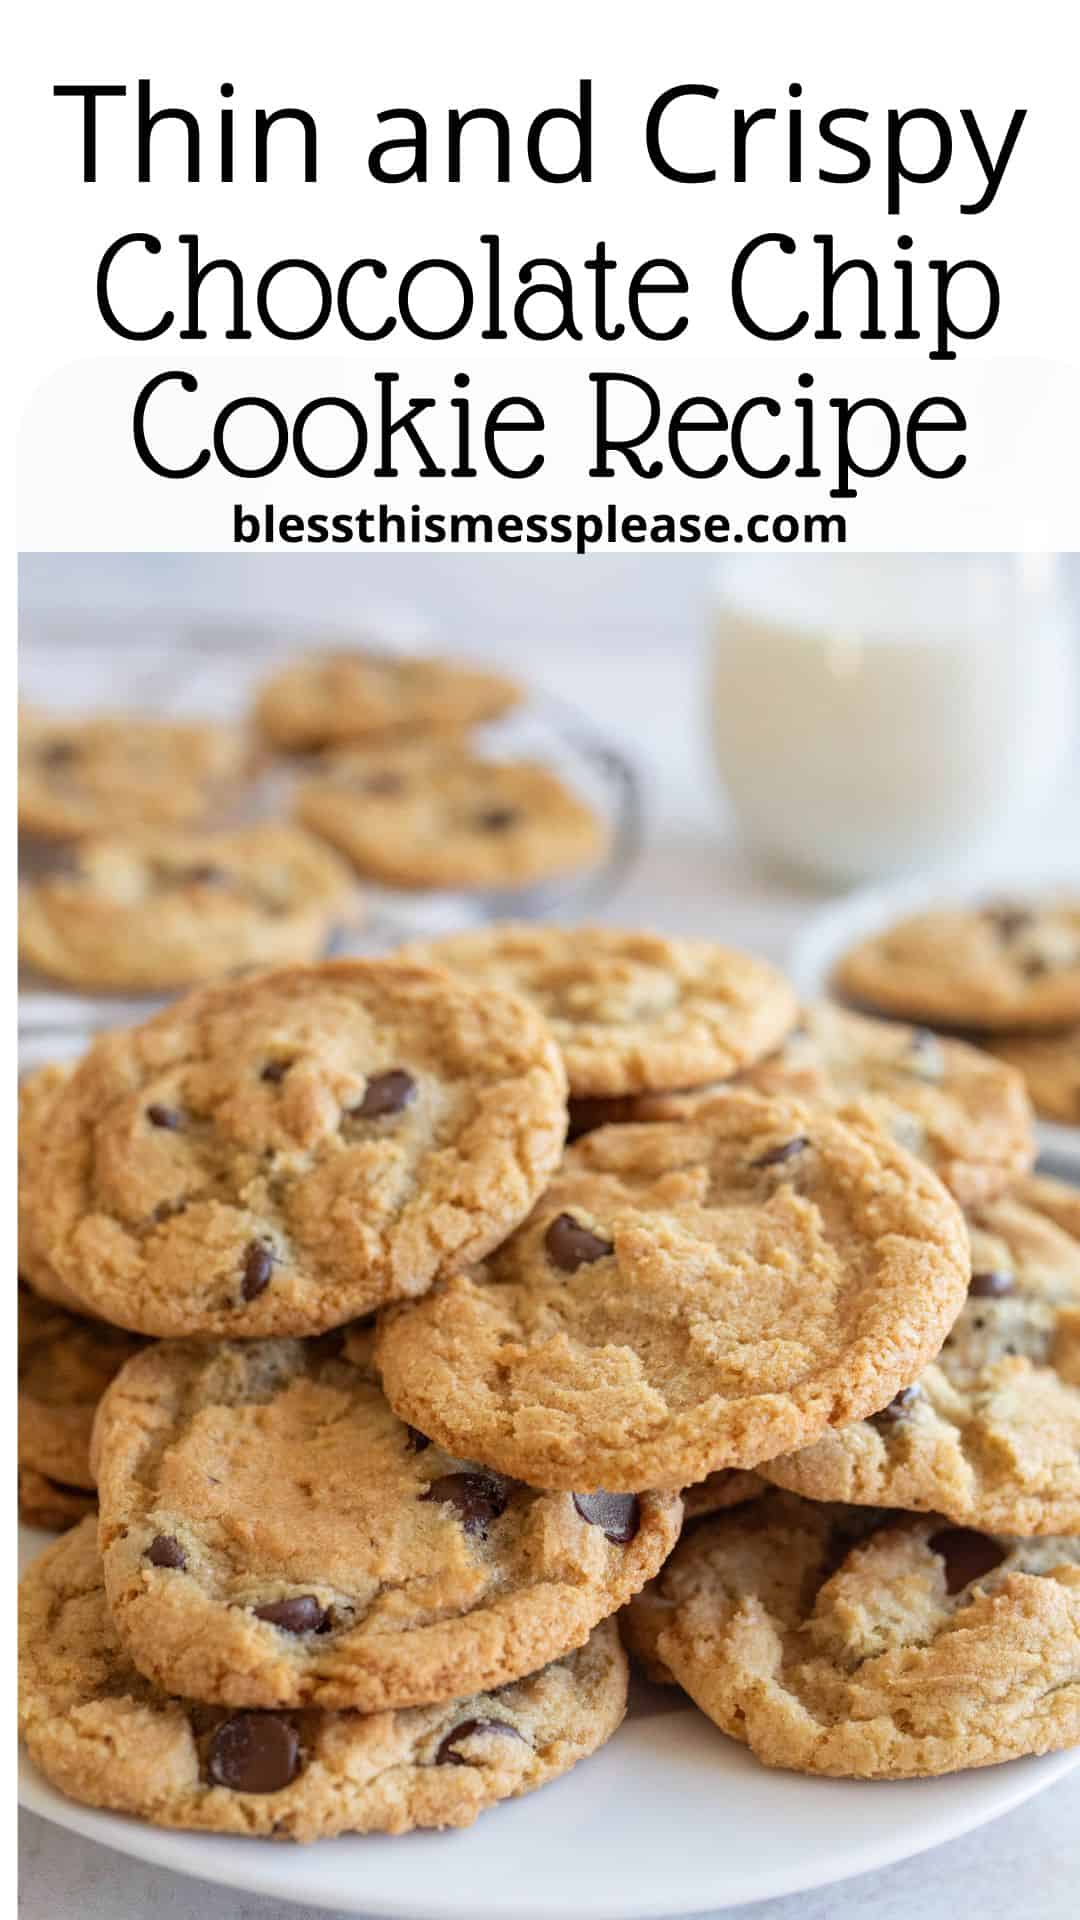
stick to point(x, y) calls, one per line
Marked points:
point(1003, 965)
point(363, 695)
point(156, 909)
point(439, 816)
point(117, 770)
point(1050, 1064)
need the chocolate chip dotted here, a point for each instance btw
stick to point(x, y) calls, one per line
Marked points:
point(1035, 966)
point(300, 1614)
point(58, 753)
point(448, 1754)
point(618, 1514)
point(900, 1405)
point(416, 1441)
point(775, 1156)
point(254, 1753)
point(204, 876)
point(169, 1117)
point(383, 783)
point(479, 1498)
point(497, 819)
point(274, 1071)
point(991, 1285)
point(385, 1093)
point(165, 1551)
point(967, 1555)
point(258, 1266)
point(570, 1245)
point(1007, 919)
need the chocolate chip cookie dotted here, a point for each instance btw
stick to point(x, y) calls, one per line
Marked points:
point(1050, 1064)
point(114, 771)
point(38, 1091)
point(632, 1012)
point(1007, 964)
point(682, 1293)
point(52, 1505)
point(443, 817)
point(65, 1365)
point(871, 1646)
point(274, 1536)
point(151, 909)
point(282, 1153)
point(943, 1100)
point(105, 1736)
point(990, 1434)
point(359, 695)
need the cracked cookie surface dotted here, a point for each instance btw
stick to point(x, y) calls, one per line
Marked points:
point(283, 1153)
point(630, 1011)
point(105, 1736)
point(274, 1536)
point(990, 1433)
point(1004, 965)
point(334, 698)
point(114, 771)
point(874, 1646)
point(682, 1294)
point(152, 909)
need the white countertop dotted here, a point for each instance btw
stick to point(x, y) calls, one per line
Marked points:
point(623, 638)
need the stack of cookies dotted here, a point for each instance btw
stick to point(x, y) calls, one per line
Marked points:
point(1008, 972)
point(137, 892)
point(410, 1402)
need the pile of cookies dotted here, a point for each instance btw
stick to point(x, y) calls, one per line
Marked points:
point(1007, 972)
point(137, 892)
point(402, 1412)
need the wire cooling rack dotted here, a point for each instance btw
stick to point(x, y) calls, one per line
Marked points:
point(190, 668)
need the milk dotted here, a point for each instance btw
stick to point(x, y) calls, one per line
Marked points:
point(879, 713)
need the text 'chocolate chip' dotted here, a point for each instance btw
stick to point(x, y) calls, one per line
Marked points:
point(618, 1514)
point(967, 1555)
point(301, 1613)
point(479, 1498)
point(386, 1093)
point(448, 1754)
point(570, 1245)
point(254, 1753)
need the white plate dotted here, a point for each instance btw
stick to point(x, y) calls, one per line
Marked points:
point(828, 935)
point(670, 1818)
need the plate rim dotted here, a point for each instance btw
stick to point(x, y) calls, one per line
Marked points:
point(168, 1849)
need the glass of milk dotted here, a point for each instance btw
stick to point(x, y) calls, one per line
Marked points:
point(878, 713)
